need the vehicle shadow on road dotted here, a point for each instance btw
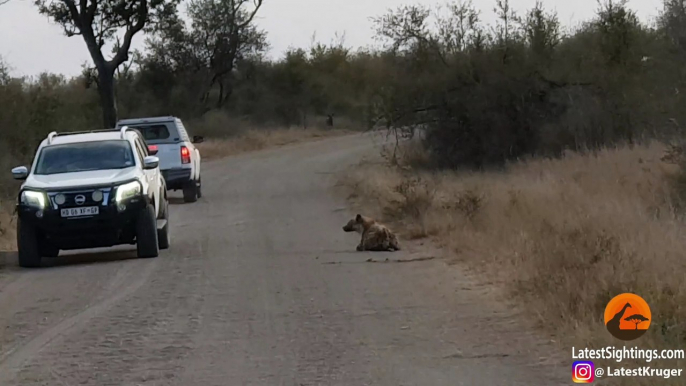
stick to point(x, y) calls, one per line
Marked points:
point(9, 259)
point(176, 201)
point(88, 258)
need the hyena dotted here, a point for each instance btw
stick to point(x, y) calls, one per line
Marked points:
point(375, 236)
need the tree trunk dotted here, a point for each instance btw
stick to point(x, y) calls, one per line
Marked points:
point(108, 102)
point(220, 99)
point(225, 91)
point(228, 91)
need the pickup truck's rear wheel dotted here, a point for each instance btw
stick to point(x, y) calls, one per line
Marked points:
point(190, 191)
point(163, 238)
point(27, 243)
point(146, 233)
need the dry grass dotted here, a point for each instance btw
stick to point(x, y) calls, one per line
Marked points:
point(259, 139)
point(7, 229)
point(561, 236)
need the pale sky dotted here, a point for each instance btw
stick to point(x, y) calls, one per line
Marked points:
point(31, 44)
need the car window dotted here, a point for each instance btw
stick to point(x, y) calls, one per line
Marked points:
point(141, 151)
point(182, 130)
point(85, 156)
point(154, 132)
point(144, 146)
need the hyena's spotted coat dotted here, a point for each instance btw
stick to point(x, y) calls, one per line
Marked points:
point(375, 236)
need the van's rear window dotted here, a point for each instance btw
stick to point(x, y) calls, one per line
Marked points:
point(153, 132)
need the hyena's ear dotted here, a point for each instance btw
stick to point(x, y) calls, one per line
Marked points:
point(358, 218)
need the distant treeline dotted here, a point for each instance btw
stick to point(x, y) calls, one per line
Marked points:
point(486, 94)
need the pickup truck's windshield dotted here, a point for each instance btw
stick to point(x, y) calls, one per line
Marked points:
point(85, 156)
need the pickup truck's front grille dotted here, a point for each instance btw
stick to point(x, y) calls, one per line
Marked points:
point(81, 197)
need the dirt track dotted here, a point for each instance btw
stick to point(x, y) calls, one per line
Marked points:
point(262, 287)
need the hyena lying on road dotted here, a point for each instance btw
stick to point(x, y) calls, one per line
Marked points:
point(375, 236)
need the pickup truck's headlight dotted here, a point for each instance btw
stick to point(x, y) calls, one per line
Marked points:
point(33, 198)
point(127, 191)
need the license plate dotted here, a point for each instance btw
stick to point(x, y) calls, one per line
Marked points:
point(78, 212)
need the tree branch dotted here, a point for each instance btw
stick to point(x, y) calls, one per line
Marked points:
point(84, 28)
point(123, 51)
point(92, 7)
point(258, 4)
point(75, 16)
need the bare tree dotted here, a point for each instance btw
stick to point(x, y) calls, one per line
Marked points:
point(224, 33)
point(99, 22)
point(4, 72)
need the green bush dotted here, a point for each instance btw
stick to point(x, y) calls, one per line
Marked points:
point(524, 89)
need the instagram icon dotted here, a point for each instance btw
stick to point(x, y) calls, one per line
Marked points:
point(583, 372)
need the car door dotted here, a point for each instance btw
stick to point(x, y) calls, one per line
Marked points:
point(150, 174)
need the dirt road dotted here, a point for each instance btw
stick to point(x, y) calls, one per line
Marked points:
point(262, 287)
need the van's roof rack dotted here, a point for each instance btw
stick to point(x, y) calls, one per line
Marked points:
point(54, 134)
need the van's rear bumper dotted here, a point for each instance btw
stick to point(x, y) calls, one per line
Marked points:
point(176, 178)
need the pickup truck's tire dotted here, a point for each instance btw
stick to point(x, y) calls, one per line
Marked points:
point(49, 251)
point(146, 233)
point(190, 191)
point(27, 243)
point(163, 238)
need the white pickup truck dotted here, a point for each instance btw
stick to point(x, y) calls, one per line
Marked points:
point(179, 158)
point(89, 190)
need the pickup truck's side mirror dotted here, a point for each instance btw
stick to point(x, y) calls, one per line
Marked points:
point(151, 162)
point(198, 139)
point(20, 172)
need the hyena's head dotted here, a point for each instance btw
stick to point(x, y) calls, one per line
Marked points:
point(356, 224)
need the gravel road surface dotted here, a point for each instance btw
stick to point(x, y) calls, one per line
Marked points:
point(262, 287)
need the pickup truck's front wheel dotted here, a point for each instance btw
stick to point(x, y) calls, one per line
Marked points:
point(146, 233)
point(27, 243)
point(47, 250)
point(163, 237)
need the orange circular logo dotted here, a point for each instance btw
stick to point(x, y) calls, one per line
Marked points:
point(627, 316)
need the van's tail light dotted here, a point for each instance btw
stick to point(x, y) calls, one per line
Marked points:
point(185, 155)
point(153, 149)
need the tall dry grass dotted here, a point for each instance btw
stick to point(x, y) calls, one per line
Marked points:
point(7, 229)
point(562, 237)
